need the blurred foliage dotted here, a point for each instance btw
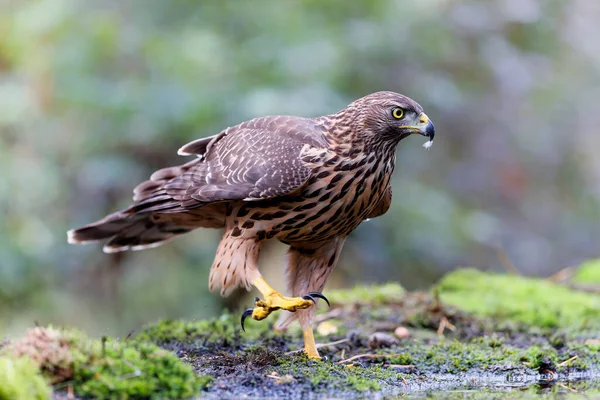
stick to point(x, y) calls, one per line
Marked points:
point(97, 94)
point(21, 380)
point(588, 272)
point(535, 302)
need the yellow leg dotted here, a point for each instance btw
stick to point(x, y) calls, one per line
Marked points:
point(310, 347)
point(274, 300)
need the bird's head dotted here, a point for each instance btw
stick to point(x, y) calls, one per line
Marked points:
point(388, 117)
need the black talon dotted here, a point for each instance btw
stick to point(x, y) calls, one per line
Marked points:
point(309, 297)
point(245, 314)
point(319, 295)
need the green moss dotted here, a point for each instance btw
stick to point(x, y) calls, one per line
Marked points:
point(373, 294)
point(20, 379)
point(538, 358)
point(112, 369)
point(534, 302)
point(107, 368)
point(486, 354)
point(401, 359)
point(327, 376)
point(451, 356)
point(225, 328)
point(588, 272)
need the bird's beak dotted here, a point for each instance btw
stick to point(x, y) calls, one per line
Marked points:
point(425, 127)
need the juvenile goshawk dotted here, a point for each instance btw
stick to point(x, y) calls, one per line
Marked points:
point(307, 182)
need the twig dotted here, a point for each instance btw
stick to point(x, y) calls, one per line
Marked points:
point(401, 366)
point(320, 346)
point(445, 324)
point(563, 275)
point(567, 387)
point(562, 364)
point(359, 356)
point(336, 312)
point(506, 263)
point(281, 379)
point(552, 375)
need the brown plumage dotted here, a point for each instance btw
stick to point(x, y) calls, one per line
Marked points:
point(307, 182)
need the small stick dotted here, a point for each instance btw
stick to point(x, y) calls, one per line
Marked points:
point(445, 324)
point(400, 366)
point(320, 346)
point(359, 356)
point(567, 387)
point(562, 364)
point(563, 275)
point(506, 263)
point(336, 312)
point(552, 375)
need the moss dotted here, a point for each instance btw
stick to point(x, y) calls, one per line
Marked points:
point(486, 354)
point(224, 328)
point(401, 359)
point(540, 359)
point(451, 356)
point(327, 376)
point(370, 294)
point(20, 379)
point(588, 272)
point(112, 369)
point(108, 368)
point(534, 302)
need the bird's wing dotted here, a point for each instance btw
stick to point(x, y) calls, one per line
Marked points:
point(258, 159)
point(383, 205)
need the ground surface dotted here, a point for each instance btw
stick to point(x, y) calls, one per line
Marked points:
point(473, 335)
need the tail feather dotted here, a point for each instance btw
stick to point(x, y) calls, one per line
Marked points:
point(156, 216)
point(128, 232)
point(130, 229)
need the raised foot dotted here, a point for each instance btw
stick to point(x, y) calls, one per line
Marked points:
point(276, 301)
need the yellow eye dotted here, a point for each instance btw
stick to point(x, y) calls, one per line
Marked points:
point(397, 113)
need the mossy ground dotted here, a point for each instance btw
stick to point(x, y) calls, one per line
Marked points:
point(89, 368)
point(497, 330)
point(473, 330)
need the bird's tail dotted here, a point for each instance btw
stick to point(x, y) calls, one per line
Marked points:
point(128, 230)
point(154, 218)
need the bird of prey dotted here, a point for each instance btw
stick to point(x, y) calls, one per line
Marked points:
point(307, 182)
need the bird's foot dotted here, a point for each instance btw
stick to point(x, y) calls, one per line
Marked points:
point(276, 301)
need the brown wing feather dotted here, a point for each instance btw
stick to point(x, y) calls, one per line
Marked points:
point(383, 205)
point(255, 160)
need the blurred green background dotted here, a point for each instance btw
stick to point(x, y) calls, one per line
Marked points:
point(96, 94)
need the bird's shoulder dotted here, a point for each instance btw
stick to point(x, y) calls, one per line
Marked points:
point(260, 134)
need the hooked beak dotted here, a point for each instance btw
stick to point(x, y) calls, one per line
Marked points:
point(425, 127)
